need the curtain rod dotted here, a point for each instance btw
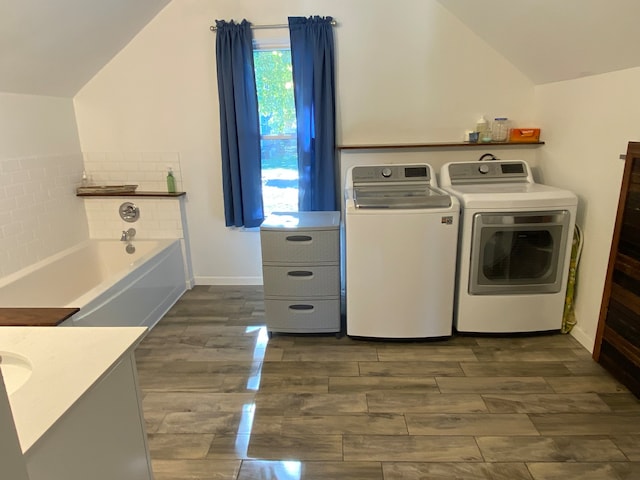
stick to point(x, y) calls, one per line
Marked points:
point(213, 28)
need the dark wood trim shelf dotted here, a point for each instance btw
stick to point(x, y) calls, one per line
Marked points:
point(438, 145)
point(35, 317)
point(134, 194)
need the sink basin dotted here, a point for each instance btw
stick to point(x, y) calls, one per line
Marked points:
point(16, 370)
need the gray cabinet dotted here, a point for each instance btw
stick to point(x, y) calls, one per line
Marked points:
point(301, 271)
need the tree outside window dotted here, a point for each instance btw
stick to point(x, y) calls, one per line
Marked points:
point(276, 107)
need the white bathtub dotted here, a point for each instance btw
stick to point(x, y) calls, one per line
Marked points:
point(110, 286)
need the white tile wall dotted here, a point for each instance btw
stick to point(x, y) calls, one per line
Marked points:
point(159, 217)
point(39, 212)
point(40, 215)
point(148, 170)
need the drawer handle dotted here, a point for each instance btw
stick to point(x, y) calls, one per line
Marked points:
point(300, 273)
point(301, 307)
point(299, 238)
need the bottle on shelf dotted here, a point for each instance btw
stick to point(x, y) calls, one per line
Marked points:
point(484, 132)
point(171, 181)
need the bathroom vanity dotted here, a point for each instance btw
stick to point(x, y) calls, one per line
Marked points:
point(75, 401)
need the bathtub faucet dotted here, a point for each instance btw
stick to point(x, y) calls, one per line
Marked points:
point(127, 235)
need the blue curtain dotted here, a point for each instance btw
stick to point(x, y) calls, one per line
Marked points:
point(312, 59)
point(239, 125)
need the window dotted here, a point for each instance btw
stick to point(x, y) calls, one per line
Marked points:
point(276, 106)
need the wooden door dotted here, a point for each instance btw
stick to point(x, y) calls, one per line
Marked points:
point(617, 346)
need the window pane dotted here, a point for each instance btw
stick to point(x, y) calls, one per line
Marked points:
point(276, 106)
point(274, 83)
point(279, 175)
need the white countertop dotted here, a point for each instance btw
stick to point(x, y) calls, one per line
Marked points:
point(66, 362)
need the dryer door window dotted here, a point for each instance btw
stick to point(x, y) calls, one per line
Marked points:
point(514, 253)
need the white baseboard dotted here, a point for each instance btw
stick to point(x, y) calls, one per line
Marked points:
point(585, 340)
point(228, 280)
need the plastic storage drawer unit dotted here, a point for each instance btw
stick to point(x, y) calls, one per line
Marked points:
point(301, 271)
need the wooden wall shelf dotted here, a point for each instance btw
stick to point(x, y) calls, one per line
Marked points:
point(134, 194)
point(435, 145)
point(35, 317)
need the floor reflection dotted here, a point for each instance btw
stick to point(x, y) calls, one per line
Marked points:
point(259, 350)
point(272, 470)
point(243, 435)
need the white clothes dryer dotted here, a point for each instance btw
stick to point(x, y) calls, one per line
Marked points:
point(401, 233)
point(514, 250)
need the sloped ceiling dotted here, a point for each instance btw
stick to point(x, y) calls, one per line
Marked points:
point(554, 40)
point(53, 47)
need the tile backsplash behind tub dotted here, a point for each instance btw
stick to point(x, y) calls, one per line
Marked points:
point(39, 212)
point(160, 217)
point(148, 170)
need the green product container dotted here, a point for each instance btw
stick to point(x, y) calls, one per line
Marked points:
point(171, 182)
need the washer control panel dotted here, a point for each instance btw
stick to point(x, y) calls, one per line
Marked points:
point(391, 173)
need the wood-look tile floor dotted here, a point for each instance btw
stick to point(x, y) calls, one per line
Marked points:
point(223, 401)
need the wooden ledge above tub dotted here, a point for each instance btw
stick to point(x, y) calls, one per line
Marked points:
point(133, 194)
point(35, 317)
point(434, 145)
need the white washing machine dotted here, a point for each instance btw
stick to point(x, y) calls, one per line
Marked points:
point(515, 247)
point(400, 240)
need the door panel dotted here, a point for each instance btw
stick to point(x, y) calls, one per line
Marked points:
point(515, 253)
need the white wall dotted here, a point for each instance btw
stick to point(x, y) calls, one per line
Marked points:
point(406, 71)
point(36, 125)
point(40, 166)
point(587, 125)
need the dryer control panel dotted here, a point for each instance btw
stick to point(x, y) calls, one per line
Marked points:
point(512, 171)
